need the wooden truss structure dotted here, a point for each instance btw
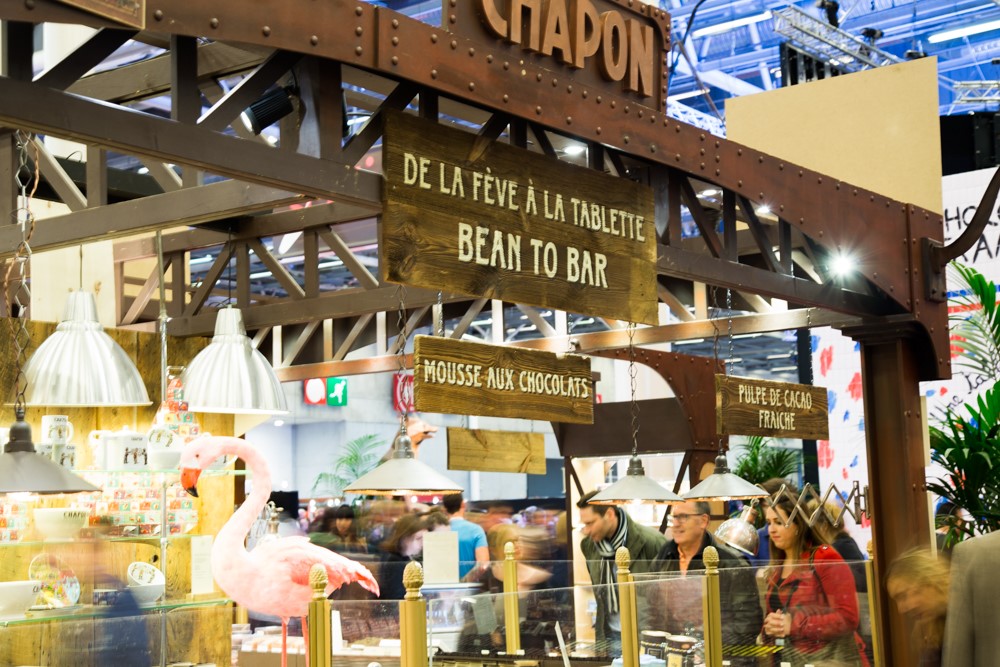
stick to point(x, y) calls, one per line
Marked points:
point(233, 192)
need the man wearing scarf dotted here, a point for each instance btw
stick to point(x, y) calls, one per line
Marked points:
point(606, 528)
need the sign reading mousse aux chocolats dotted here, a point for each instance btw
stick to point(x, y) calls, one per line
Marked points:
point(514, 225)
point(461, 377)
point(746, 406)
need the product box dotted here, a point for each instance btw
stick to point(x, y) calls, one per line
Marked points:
point(259, 659)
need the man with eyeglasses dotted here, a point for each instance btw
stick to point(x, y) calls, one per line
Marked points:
point(681, 611)
point(605, 529)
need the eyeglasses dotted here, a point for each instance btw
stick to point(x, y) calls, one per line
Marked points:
point(685, 517)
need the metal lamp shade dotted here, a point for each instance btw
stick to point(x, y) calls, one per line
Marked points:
point(403, 475)
point(22, 470)
point(740, 533)
point(80, 365)
point(230, 376)
point(635, 487)
point(724, 485)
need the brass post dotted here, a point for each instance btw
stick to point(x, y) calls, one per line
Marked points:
point(320, 643)
point(413, 619)
point(240, 614)
point(712, 608)
point(874, 612)
point(511, 609)
point(627, 609)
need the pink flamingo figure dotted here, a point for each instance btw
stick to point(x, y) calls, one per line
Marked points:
point(274, 577)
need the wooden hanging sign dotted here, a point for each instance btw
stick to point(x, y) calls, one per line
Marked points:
point(127, 12)
point(496, 451)
point(466, 378)
point(491, 220)
point(747, 406)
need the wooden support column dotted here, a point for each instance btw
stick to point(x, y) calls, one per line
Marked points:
point(896, 496)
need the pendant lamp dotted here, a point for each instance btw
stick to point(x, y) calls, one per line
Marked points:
point(724, 485)
point(635, 487)
point(23, 470)
point(402, 474)
point(230, 376)
point(80, 365)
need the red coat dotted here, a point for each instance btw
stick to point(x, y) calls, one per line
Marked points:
point(821, 599)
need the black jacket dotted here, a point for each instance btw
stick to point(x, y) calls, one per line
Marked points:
point(742, 617)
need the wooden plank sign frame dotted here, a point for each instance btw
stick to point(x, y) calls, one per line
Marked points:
point(466, 378)
point(492, 220)
point(127, 12)
point(496, 451)
point(747, 406)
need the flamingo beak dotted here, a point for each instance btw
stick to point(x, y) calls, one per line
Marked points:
point(189, 480)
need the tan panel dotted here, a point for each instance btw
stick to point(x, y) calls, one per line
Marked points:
point(498, 451)
point(877, 129)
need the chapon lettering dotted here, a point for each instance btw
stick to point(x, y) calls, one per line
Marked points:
point(574, 31)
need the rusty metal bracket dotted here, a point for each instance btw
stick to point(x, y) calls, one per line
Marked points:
point(936, 256)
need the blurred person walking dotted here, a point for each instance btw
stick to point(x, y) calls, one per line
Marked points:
point(473, 549)
point(918, 582)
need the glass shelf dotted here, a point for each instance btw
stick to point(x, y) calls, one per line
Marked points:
point(208, 472)
point(77, 541)
point(85, 612)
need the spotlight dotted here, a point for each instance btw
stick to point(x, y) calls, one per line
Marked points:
point(842, 265)
point(274, 105)
point(914, 54)
point(831, 7)
point(871, 34)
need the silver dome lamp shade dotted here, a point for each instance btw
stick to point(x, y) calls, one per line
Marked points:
point(230, 376)
point(80, 365)
point(740, 533)
point(23, 470)
point(635, 487)
point(724, 485)
point(402, 474)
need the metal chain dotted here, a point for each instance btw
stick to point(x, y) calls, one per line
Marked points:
point(632, 384)
point(405, 390)
point(440, 312)
point(729, 315)
point(21, 296)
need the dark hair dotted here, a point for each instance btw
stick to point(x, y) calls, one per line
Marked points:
point(701, 507)
point(452, 502)
point(585, 502)
point(405, 526)
point(435, 517)
point(343, 512)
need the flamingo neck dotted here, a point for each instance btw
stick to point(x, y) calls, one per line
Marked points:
point(239, 524)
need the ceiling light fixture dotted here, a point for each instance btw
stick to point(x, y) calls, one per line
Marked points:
point(730, 25)
point(402, 474)
point(272, 106)
point(635, 486)
point(22, 469)
point(967, 31)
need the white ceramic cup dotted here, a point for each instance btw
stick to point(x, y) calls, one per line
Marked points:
point(57, 429)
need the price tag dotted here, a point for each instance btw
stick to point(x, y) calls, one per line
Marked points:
point(674, 660)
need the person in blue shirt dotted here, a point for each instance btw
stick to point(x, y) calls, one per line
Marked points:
point(473, 550)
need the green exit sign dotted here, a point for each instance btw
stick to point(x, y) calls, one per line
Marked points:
point(336, 392)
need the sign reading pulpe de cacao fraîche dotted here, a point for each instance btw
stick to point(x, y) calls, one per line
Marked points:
point(514, 225)
point(462, 377)
point(747, 406)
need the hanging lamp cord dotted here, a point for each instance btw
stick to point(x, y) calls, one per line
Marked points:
point(632, 385)
point(405, 392)
point(20, 299)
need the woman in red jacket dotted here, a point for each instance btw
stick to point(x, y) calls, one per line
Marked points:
point(811, 605)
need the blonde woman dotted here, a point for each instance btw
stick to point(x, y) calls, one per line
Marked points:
point(918, 583)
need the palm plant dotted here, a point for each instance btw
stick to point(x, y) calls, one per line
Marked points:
point(967, 448)
point(761, 461)
point(356, 458)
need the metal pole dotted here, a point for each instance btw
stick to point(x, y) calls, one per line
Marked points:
point(511, 609)
point(627, 609)
point(712, 609)
point(320, 648)
point(413, 619)
point(874, 613)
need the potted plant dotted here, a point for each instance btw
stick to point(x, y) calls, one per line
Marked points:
point(355, 458)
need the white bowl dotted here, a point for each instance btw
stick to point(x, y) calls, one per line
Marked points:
point(146, 594)
point(143, 574)
point(17, 596)
point(59, 523)
point(164, 458)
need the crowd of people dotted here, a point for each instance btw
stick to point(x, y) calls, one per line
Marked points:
point(804, 605)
